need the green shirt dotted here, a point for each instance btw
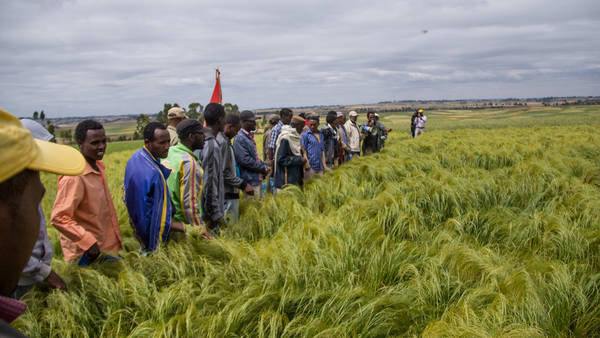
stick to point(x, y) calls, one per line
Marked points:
point(185, 184)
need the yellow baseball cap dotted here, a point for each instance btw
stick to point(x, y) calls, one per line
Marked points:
point(19, 150)
point(420, 110)
point(176, 113)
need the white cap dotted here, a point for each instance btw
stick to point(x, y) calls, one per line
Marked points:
point(353, 113)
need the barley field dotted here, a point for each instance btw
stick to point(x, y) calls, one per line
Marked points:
point(478, 228)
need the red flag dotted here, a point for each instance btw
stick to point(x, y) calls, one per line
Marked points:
point(217, 97)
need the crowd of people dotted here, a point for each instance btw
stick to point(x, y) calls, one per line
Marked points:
point(185, 173)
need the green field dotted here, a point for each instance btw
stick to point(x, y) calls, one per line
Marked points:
point(487, 225)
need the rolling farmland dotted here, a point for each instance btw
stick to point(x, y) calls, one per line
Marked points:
point(487, 225)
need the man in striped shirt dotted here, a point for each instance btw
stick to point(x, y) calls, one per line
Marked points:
point(185, 180)
point(314, 148)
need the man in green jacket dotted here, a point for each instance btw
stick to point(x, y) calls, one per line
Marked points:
point(185, 181)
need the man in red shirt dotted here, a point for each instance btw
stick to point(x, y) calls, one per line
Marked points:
point(83, 211)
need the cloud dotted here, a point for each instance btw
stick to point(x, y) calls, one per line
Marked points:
point(128, 57)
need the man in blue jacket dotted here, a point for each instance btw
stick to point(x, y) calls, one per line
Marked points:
point(252, 169)
point(146, 190)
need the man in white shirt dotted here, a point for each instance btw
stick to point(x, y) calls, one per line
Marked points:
point(420, 123)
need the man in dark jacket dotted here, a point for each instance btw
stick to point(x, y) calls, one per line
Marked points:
point(330, 138)
point(252, 169)
point(233, 183)
point(289, 163)
point(213, 188)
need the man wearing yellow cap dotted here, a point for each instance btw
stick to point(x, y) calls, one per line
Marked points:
point(21, 191)
point(420, 123)
point(174, 117)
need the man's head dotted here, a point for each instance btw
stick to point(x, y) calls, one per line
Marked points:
point(420, 111)
point(353, 115)
point(273, 119)
point(91, 138)
point(175, 115)
point(191, 134)
point(214, 116)
point(232, 125)
point(286, 115)
point(298, 123)
point(21, 192)
point(341, 118)
point(371, 116)
point(248, 120)
point(376, 116)
point(157, 139)
point(331, 118)
point(313, 123)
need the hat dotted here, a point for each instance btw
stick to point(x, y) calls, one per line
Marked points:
point(247, 115)
point(37, 130)
point(19, 150)
point(273, 117)
point(339, 114)
point(189, 126)
point(298, 119)
point(420, 110)
point(353, 113)
point(376, 115)
point(175, 113)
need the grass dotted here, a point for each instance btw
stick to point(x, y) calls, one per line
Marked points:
point(460, 232)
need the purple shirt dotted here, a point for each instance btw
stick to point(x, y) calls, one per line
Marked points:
point(10, 309)
point(38, 266)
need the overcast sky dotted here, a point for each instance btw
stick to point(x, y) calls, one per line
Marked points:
point(108, 57)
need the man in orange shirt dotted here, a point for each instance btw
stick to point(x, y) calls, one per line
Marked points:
point(83, 211)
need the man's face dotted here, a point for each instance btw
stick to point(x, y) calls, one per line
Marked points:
point(353, 118)
point(371, 117)
point(313, 125)
point(298, 126)
point(18, 231)
point(232, 129)
point(159, 147)
point(94, 145)
point(286, 119)
point(175, 121)
point(274, 122)
point(249, 125)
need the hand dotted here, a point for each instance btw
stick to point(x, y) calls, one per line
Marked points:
point(177, 227)
point(93, 252)
point(269, 171)
point(55, 281)
point(249, 190)
point(327, 168)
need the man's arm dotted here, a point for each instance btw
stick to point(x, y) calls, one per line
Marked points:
point(245, 158)
point(69, 194)
point(189, 186)
point(210, 196)
point(285, 157)
point(229, 175)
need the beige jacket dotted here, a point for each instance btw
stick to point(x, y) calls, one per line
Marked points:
point(353, 134)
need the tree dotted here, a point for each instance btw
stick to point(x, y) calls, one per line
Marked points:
point(50, 127)
point(66, 134)
point(231, 108)
point(42, 115)
point(195, 111)
point(35, 115)
point(142, 120)
point(162, 115)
